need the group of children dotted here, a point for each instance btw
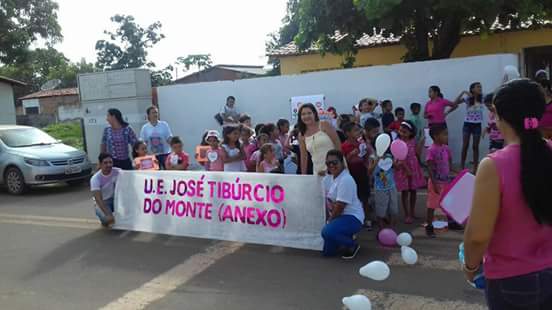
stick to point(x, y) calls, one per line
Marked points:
point(273, 148)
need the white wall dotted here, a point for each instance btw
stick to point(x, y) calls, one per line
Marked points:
point(189, 108)
point(7, 106)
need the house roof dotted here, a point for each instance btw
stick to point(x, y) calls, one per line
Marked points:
point(11, 81)
point(378, 39)
point(52, 93)
point(254, 70)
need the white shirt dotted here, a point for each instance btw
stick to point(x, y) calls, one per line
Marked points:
point(237, 166)
point(156, 137)
point(105, 183)
point(344, 189)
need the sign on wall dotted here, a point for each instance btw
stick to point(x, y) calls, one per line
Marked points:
point(317, 100)
point(256, 208)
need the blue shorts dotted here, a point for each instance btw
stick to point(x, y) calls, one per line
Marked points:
point(470, 129)
point(100, 213)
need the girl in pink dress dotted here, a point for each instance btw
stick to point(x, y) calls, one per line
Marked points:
point(268, 162)
point(408, 175)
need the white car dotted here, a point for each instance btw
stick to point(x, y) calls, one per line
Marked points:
point(29, 156)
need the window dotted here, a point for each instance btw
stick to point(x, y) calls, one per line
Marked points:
point(31, 110)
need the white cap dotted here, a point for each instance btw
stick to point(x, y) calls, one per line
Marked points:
point(212, 133)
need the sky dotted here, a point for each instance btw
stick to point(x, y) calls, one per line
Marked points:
point(232, 31)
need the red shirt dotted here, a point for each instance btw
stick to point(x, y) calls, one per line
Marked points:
point(177, 159)
point(396, 125)
point(355, 163)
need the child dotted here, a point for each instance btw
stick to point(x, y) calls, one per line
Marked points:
point(245, 120)
point(387, 207)
point(262, 139)
point(409, 176)
point(249, 146)
point(439, 162)
point(143, 161)
point(387, 107)
point(371, 132)
point(234, 155)
point(417, 120)
point(355, 151)
point(496, 141)
point(366, 109)
point(215, 155)
point(177, 159)
point(386, 122)
point(273, 137)
point(267, 161)
point(399, 114)
point(283, 128)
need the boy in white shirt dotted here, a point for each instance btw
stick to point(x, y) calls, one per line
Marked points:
point(102, 186)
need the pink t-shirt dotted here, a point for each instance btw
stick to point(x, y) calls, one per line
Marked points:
point(546, 120)
point(268, 167)
point(519, 244)
point(435, 110)
point(440, 155)
point(215, 160)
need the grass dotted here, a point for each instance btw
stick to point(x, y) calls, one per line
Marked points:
point(69, 133)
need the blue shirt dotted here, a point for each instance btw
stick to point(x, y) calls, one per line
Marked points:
point(384, 180)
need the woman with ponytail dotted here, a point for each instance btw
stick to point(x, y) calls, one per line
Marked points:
point(510, 227)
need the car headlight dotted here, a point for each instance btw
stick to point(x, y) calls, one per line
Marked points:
point(36, 162)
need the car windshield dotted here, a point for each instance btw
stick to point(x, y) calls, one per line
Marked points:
point(20, 137)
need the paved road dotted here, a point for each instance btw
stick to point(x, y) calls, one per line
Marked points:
point(54, 256)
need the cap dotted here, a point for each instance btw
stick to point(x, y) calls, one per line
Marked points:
point(212, 133)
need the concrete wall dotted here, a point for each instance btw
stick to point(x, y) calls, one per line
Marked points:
point(189, 109)
point(50, 105)
point(7, 106)
point(505, 42)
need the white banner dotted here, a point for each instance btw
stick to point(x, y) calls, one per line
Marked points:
point(273, 209)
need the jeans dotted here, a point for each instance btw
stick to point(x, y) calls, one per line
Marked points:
point(527, 292)
point(161, 158)
point(125, 164)
point(339, 233)
point(101, 214)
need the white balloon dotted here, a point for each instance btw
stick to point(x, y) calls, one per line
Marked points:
point(357, 302)
point(409, 256)
point(382, 144)
point(404, 239)
point(376, 270)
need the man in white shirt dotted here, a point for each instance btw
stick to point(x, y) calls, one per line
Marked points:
point(102, 186)
point(156, 134)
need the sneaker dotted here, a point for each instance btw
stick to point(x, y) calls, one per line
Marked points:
point(368, 225)
point(350, 254)
point(429, 231)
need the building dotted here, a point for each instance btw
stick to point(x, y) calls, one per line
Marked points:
point(534, 46)
point(48, 106)
point(7, 105)
point(222, 73)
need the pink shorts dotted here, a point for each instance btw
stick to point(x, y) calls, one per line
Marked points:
point(434, 198)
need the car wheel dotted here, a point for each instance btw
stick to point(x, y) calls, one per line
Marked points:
point(15, 182)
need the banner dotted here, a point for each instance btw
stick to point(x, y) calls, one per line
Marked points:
point(272, 209)
point(317, 100)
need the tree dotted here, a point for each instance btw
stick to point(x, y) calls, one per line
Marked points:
point(202, 61)
point(284, 35)
point(43, 64)
point(128, 45)
point(23, 22)
point(162, 77)
point(430, 29)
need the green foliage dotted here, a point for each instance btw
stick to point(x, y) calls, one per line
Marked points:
point(201, 61)
point(43, 64)
point(23, 22)
point(322, 23)
point(128, 45)
point(69, 133)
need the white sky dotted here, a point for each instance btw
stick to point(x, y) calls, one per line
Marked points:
point(232, 31)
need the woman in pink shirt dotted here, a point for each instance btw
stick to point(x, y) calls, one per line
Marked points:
point(435, 108)
point(510, 227)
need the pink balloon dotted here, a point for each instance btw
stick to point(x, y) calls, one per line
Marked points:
point(399, 149)
point(387, 237)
